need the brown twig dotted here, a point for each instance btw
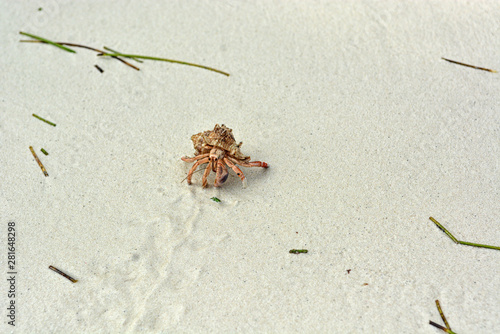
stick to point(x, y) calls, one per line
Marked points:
point(39, 162)
point(446, 329)
point(98, 68)
point(63, 274)
point(109, 49)
point(84, 47)
point(471, 66)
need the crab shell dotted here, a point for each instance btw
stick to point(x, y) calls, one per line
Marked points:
point(220, 137)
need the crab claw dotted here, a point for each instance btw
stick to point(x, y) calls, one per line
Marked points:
point(221, 175)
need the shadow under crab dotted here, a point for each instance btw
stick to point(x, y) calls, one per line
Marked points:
point(218, 148)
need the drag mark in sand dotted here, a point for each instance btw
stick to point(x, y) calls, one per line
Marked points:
point(165, 279)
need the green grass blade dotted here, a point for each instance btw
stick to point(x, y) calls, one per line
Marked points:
point(444, 230)
point(164, 59)
point(48, 42)
point(461, 242)
point(110, 49)
point(478, 245)
point(441, 313)
point(298, 251)
point(43, 119)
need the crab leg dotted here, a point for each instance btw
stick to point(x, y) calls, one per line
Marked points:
point(221, 174)
point(259, 164)
point(250, 164)
point(191, 171)
point(237, 171)
point(198, 157)
point(204, 180)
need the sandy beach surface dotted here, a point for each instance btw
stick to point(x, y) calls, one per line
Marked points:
point(367, 131)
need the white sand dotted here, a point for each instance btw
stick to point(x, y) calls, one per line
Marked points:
point(367, 132)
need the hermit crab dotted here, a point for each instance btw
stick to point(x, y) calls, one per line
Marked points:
point(218, 148)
